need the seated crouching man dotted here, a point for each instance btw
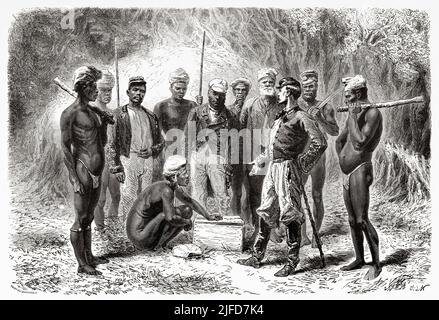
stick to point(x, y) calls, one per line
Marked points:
point(153, 220)
point(295, 145)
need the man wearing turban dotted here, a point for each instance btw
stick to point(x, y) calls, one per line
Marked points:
point(84, 135)
point(154, 220)
point(108, 181)
point(173, 112)
point(257, 116)
point(325, 117)
point(207, 139)
point(355, 146)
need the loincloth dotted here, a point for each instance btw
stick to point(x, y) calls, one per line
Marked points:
point(347, 177)
point(94, 178)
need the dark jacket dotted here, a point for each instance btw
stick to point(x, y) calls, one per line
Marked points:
point(119, 141)
point(199, 116)
point(297, 131)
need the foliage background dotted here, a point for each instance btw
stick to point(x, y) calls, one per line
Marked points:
point(389, 47)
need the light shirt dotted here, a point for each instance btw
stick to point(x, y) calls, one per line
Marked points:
point(141, 135)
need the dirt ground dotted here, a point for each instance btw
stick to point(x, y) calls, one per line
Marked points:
point(44, 262)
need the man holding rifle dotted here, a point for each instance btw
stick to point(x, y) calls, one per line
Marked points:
point(295, 145)
point(355, 147)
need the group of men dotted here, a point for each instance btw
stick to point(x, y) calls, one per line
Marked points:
point(282, 138)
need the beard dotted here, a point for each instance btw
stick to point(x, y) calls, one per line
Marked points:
point(267, 91)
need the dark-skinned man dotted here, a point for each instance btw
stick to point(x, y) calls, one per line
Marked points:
point(154, 220)
point(240, 88)
point(173, 112)
point(295, 145)
point(207, 126)
point(108, 181)
point(134, 142)
point(325, 117)
point(84, 135)
point(355, 147)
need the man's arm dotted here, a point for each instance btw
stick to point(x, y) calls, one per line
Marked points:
point(66, 144)
point(317, 144)
point(192, 203)
point(113, 149)
point(361, 138)
point(189, 139)
point(326, 117)
point(159, 142)
point(341, 139)
point(169, 209)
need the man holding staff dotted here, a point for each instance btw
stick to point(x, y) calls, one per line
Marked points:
point(355, 147)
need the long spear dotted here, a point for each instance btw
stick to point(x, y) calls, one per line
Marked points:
point(202, 63)
point(117, 71)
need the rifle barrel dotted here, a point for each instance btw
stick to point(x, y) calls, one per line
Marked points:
point(390, 104)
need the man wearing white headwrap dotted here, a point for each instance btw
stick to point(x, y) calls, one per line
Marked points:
point(355, 146)
point(206, 130)
point(108, 181)
point(84, 135)
point(325, 117)
point(154, 220)
point(258, 115)
point(172, 114)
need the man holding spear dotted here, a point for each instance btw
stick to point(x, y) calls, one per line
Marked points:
point(355, 147)
point(295, 145)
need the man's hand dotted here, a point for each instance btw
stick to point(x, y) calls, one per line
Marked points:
point(315, 112)
point(78, 187)
point(188, 226)
point(120, 176)
point(257, 167)
point(229, 175)
point(145, 153)
point(199, 100)
point(354, 108)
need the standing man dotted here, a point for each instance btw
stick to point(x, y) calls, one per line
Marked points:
point(173, 112)
point(355, 147)
point(154, 220)
point(325, 117)
point(84, 135)
point(108, 181)
point(241, 88)
point(258, 115)
point(136, 137)
point(205, 130)
point(295, 146)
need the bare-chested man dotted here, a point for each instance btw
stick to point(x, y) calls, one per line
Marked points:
point(153, 220)
point(84, 135)
point(355, 147)
point(108, 181)
point(240, 88)
point(325, 117)
point(173, 112)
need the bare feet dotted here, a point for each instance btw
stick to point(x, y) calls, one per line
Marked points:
point(94, 261)
point(356, 264)
point(89, 270)
point(373, 272)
